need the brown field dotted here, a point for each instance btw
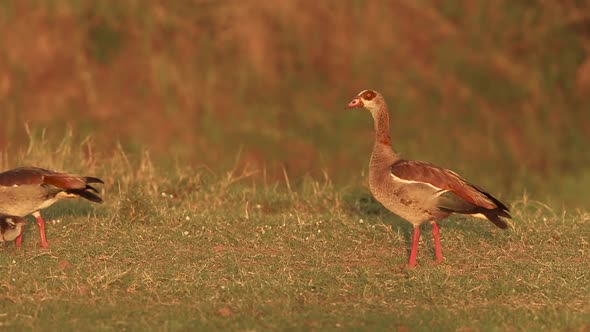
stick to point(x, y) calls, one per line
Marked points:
point(476, 86)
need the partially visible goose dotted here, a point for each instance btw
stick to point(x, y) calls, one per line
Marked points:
point(419, 191)
point(11, 227)
point(27, 190)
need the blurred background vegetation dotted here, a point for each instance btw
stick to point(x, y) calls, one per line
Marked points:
point(497, 90)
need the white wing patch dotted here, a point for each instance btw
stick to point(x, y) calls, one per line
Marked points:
point(439, 190)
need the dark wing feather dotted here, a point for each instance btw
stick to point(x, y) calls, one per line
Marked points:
point(21, 176)
point(35, 175)
point(65, 181)
point(87, 194)
point(450, 202)
point(92, 179)
point(493, 217)
point(443, 179)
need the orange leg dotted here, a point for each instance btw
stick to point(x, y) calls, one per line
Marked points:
point(437, 246)
point(41, 224)
point(19, 239)
point(414, 251)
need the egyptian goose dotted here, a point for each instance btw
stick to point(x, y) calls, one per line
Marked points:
point(27, 190)
point(419, 191)
point(11, 227)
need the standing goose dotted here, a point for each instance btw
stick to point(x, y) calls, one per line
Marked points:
point(27, 190)
point(419, 191)
point(11, 227)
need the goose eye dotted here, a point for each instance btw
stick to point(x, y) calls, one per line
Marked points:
point(369, 95)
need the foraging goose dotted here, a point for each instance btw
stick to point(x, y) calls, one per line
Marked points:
point(27, 190)
point(419, 191)
point(11, 227)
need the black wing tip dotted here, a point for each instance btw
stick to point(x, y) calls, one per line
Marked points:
point(87, 194)
point(494, 217)
point(89, 187)
point(501, 206)
point(92, 179)
point(505, 214)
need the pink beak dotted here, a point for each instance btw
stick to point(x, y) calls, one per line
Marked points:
point(356, 102)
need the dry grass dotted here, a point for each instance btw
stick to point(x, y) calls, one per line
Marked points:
point(185, 249)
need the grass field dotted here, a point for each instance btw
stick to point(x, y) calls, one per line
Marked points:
point(187, 249)
point(201, 80)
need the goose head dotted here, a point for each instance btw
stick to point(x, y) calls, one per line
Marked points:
point(11, 227)
point(369, 99)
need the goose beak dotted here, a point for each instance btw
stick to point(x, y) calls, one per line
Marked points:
point(356, 102)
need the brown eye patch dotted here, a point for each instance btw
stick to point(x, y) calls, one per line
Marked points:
point(368, 95)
